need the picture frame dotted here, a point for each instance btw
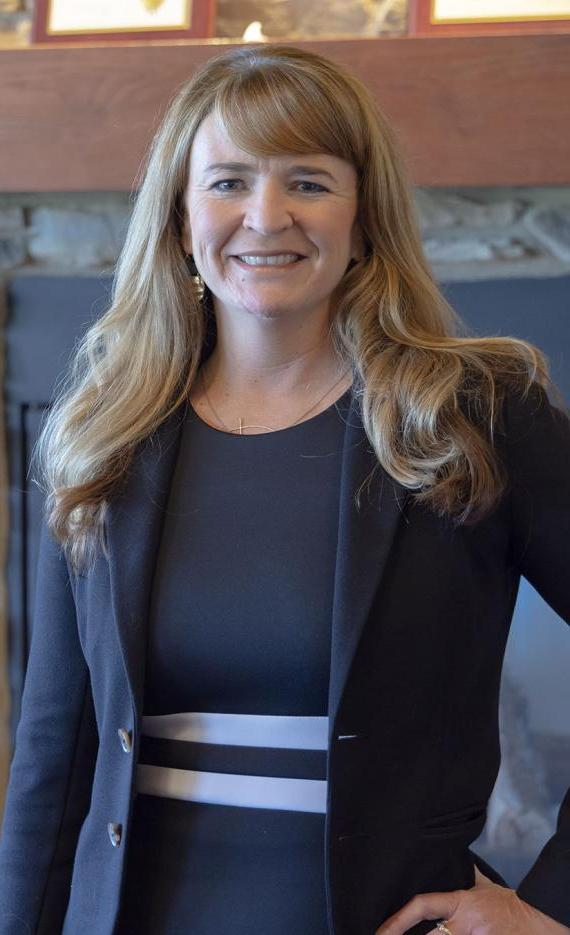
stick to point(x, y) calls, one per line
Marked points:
point(95, 21)
point(487, 17)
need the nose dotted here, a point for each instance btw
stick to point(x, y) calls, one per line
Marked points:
point(268, 209)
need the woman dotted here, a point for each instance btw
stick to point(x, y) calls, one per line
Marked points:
point(289, 503)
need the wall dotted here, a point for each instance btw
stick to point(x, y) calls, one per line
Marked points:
point(476, 233)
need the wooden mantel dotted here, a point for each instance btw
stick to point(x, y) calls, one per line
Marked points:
point(485, 110)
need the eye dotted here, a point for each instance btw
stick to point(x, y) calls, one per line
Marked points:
point(315, 185)
point(222, 186)
point(223, 182)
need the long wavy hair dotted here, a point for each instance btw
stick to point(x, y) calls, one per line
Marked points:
point(429, 389)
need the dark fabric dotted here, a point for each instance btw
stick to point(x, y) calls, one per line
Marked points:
point(241, 604)
point(240, 622)
point(420, 617)
point(196, 868)
point(225, 758)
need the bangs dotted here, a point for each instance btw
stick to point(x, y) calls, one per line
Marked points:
point(273, 114)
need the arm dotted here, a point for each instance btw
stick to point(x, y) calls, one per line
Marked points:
point(536, 446)
point(52, 768)
point(538, 451)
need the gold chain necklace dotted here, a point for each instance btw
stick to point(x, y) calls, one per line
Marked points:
point(241, 427)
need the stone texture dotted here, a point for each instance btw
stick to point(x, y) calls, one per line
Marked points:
point(297, 19)
point(443, 209)
point(540, 267)
point(551, 226)
point(75, 239)
point(11, 219)
point(13, 252)
point(432, 212)
point(481, 233)
point(507, 248)
point(460, 249)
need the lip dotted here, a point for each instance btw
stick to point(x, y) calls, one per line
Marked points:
point(267, 253)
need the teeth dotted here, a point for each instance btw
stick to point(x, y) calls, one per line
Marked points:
point(276, 260)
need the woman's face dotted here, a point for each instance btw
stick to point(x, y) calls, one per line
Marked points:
point(279, 205)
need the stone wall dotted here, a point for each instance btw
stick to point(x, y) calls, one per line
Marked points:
point(468, 234)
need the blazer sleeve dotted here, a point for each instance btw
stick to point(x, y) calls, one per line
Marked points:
point(52, 767)
point(538, 453)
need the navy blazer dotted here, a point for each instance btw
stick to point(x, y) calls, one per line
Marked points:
point(421, 615)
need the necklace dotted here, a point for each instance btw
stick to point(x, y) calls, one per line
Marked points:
point(241, 426)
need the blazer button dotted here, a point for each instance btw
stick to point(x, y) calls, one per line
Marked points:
point(126, 739)
point(115, 832)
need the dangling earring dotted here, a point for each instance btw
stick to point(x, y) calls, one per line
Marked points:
point(193, 270)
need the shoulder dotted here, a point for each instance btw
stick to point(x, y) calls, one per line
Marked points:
point(534, 435)
point(529, 412)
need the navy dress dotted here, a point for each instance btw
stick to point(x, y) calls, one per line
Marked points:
point(239, 622)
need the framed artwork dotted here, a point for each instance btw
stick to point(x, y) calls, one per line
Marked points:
point(112, 20)
point(487, 17)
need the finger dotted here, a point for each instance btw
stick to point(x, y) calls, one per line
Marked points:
point(451, 927)
point(423, 906)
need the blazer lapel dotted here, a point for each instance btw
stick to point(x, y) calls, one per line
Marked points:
point(134, 523)
point(365, 536)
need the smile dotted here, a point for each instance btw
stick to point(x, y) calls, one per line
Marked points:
point(280, 262)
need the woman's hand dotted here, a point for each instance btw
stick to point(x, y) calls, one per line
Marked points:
point(485, 909)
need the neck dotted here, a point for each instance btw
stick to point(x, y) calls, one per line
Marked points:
point(281, 373)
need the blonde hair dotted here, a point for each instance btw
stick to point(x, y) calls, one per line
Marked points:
point(412, 358)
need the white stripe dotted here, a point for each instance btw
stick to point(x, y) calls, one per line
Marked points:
point(243, 730)
point(303, 795)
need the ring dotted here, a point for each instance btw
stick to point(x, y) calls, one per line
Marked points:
point(442, 927)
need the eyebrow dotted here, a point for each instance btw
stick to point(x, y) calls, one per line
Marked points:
point(244, 167)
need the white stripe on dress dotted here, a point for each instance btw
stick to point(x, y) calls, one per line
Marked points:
point(301, 795)
point(247, 730)
point(294, 732)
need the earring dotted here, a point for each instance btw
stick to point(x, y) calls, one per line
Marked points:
point(193, 270)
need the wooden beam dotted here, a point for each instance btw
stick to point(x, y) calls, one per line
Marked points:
point(484, 110)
